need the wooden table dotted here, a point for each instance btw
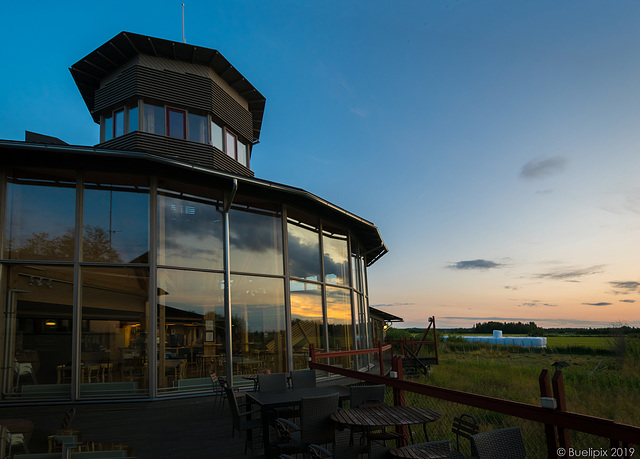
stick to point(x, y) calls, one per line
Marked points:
point(380, 415)
point(290, 397)
point(423, 451)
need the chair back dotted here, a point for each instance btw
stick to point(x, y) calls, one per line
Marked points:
point(65, 424)
point(465, 426)
point(233, 406)
point(359, 395)
point(315, 421)
point(272, 382)
point(303, 378)
point(497, 444)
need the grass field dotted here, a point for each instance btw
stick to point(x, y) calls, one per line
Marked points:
point(596, 383)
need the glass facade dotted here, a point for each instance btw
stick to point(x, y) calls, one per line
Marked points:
point(102, 272)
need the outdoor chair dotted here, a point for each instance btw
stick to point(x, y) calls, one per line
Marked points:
point(13, 440)
point(369, 394)
point(64, 435)
point(464, 426)
point(316, 426)
point(224, 385)
point(303, 378)
point(240, 421)
point(499, 444)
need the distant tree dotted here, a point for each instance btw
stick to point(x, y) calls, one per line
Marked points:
point(97, 246)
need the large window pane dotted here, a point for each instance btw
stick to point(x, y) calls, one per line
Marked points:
point(304, 251)
point(306, 321)
point(153, 119)
point(336, 259)
point(37, 328)
point(115, 317)
point(116, 218)
point(256, 241)
point(191, 328)
point(189, 231)
point(108, 127)
point(340, 324)
point(259, 325)
point(40, 215)
point(230, 144)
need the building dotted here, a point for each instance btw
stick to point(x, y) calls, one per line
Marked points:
point(134, 268)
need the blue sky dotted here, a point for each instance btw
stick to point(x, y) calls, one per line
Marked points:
point(494, 143)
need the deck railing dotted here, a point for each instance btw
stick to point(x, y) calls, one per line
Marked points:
point(556, 421)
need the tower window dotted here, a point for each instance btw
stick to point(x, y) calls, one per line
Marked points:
point(176, 123)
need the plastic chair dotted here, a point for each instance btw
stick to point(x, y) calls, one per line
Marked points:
point(14, 439)
point(499, 444)
point(303, 378)
point(23, 369)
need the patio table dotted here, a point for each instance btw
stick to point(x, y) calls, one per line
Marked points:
point(290, 397)
point(424, 452)
point(372, 416)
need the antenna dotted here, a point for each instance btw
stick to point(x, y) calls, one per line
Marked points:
point(183, 39)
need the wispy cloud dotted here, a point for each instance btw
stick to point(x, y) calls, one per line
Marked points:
point(360, 112)
point(382, 305)
point(602, 303)
point(537, 304)
point(624, 288)
point(571, 274)
point(540, 168)
point(475, 264)
point(627, 301)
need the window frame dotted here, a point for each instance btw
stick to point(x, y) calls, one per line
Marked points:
point(168, 110)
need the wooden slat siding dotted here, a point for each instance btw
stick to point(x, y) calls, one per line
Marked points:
point(181, 90)
point(182, 150)
point(231, 112)
point(117, 91)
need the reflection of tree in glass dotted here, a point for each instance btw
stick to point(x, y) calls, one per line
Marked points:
point(96, 246)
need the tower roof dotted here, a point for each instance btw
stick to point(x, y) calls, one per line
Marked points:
point(90, 70)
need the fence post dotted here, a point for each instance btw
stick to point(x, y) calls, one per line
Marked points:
point(380, 360)
point(312, 352)
point(564, 438)
point(549, 429)
point(398, 395)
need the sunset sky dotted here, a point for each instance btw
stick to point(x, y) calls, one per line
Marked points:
point(494, 143)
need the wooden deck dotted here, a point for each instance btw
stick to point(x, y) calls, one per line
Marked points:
point(183, 429)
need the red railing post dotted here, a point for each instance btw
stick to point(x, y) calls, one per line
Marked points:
point(549, 429)
point(564, 438)
point(312, 352)
point(380, 360)
point(435, 338)
point(398, 395)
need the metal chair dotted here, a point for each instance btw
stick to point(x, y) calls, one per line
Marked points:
point(464, 426)
point(23, 369)
point(303, 378)
point(363, 394)
point(316, 426)
point(239, 423)
point(499, 444)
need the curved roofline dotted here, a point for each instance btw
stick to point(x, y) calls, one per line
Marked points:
point(91, 69)
point(375, 246)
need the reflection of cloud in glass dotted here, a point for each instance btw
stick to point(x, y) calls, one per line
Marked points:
point(258, 302)
point(306, 304)
point(190, 233)
point(336, 260)
point(255, 242)
point(338, 306)
point(191, 291)
point(304, 253)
